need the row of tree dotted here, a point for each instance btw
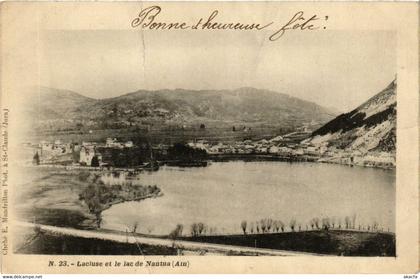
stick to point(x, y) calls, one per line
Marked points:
point(268, 225)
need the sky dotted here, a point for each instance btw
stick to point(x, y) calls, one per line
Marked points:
point(336, 69)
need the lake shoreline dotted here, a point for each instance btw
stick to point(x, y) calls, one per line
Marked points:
point(264, 186)
point(227, 158)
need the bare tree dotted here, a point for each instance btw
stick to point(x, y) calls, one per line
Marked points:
point(326, 223)
point(347, 222)
point(134, 227)
point(177, 232)
point(243, 226)
point(200, 228)
point(263, 225)
point(194, 229)
point(252, 227)
point(281, 226)
point(375, 225)
point(316, 223)
point(269, 224)
point(276, 226)
point(353, 221)
point(312, 224)
point(292, 224)
point(333, 222)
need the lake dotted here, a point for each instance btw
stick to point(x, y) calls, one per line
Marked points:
point(224, 194)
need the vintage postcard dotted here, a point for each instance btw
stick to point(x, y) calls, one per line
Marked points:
point(209, 137)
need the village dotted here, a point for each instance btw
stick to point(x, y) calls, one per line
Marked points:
point(289, 147)
point(84, 154)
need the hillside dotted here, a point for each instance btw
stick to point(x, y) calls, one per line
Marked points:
point(49, 104)
point(368, 130)
point(65, 110)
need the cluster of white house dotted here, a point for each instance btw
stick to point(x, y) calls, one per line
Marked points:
point(283, 146)
point(275, 147)
point(87, 150)
point(286, 145)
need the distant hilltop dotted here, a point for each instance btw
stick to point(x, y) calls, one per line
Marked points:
point(56, 109)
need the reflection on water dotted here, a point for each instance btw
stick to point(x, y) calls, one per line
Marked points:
point(224, 194)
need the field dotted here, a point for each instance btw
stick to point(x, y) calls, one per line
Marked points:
point(335, 242)
point(165, 135)
point(69, 245)
point(338, 243)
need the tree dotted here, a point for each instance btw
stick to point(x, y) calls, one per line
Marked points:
point(263, 223)
point(177, 232)
point(205, 230)
point(134, 227)
point(281, 224)
point(315, 222)
point(197, 229)
point(95, 161)
point(243, 226)
point(36, 159)
point(180, 151)
point(326, 223)
point(347, 222)
point(292, 224)
point(200, 228)
point(202, 126)
point(353, 221)
point(269, 224)
point(276, 226)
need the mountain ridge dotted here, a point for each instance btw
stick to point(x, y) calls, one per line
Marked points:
point(178, 107)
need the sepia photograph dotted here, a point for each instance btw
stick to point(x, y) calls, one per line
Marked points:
point(205, 134)
point(296, 156)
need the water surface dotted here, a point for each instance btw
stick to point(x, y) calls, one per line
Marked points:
point(225, 193)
